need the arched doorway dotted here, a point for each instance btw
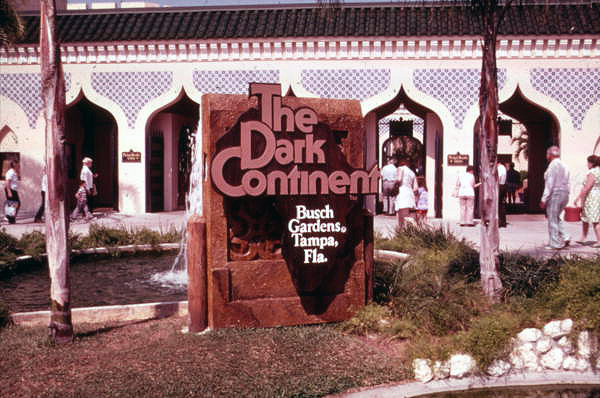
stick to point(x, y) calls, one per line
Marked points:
point(532, 129)
point(407, 128)
point(169, 136)
point(92, 132)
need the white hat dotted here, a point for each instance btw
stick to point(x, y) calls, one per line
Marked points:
point(86, 160)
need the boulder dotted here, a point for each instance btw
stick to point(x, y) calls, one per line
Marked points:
point(552, 359)
point(498, 368)
point(584, 344)
point(556, 329)
point(543, 345)
point(566, 345)
point(423, 372)
point(461, 365)
point(529, 335)
point(569, 363)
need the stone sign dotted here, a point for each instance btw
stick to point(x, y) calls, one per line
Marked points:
point(288, 241)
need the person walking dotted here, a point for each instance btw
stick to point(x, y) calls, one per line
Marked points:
point(43, 190)
point(422, 197)
point(87, 176)
point(405, 201)
point(12, 186)
point(81, 207)
point(465, 191)
point(513, 182)
point(555, 198)
point(389, 172)
point(590, 197)
point(501, 195)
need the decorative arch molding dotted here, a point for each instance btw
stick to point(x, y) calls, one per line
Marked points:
point(7, 133)
point(576, 89)
point(232, 81)
point(346, 83)
point(131, 91)
point(457, 89)
point(22, 88)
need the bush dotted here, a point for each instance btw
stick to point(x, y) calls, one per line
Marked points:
point(371, 318)
point(524, 275)
point(100, 236)
point(576, 294)
point(8, 246)
point(489, 337)
point(33, 244)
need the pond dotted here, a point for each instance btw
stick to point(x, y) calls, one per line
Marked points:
point(95, 281)
point(524, 392)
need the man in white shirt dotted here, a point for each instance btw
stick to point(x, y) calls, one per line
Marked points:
point(43, 190)
point(12, 185)
point(555, 198)
point(501, 195)
point(87, 176)
point(389, 175)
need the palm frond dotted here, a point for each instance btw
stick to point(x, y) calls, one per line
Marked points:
point(11, 26)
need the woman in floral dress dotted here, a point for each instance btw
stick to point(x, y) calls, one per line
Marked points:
point(590, 197)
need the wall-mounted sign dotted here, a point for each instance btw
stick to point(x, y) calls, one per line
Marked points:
point(131, 157)
point(458, 159)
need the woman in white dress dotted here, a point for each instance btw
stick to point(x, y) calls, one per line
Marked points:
point(405, 201)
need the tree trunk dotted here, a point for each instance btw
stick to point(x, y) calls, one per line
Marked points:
point(488, 138)
point(57, 223)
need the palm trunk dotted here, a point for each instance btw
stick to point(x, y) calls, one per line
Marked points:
point(488, 138)
point(57, 226)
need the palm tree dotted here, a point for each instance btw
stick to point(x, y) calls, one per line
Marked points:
point(11, 26)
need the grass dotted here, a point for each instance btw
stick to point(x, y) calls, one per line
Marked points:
point(153, 359)
point(34, 243)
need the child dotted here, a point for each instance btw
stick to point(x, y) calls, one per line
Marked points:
point(422, 200)
point(82, 206)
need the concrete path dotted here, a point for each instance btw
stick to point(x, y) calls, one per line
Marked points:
point(526, 233)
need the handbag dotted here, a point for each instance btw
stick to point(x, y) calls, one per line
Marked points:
point(10, 208)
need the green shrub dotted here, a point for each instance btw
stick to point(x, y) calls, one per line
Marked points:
point(576, 294)
point(100, 236)
point(524, 275)
point(372, 318)
point(489, 337)
point(33, 244)
point(3, 314)
point(8, 246)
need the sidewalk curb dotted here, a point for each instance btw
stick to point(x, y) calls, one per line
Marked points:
point(109, 313)
point(417, 389)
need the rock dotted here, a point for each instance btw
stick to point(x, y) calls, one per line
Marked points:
point(582, 365)
point(556, 329)
point(565, 343)
point(516, 361)
point(529, 335)
point(569, 363)
point(528, 356)
point(441, 370)
point(553, 359)
point(461, 365)
point(423, 372)
point(498, 368)
point(584, 344)
point(543, 345)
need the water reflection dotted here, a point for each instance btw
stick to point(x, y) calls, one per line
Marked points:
point(95, 282)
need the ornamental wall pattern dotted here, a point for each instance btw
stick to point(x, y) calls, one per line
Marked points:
point(131, 90)
point(25, 90)
point(576, 89)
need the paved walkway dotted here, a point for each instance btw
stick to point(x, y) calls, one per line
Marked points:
point(527, 233)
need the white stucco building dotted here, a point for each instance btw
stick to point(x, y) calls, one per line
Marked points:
point(135, 78)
